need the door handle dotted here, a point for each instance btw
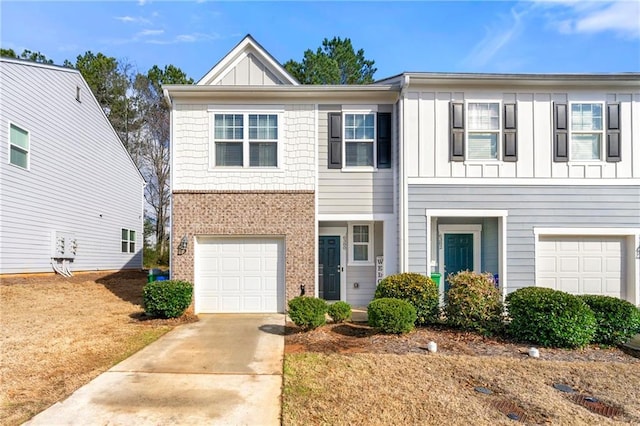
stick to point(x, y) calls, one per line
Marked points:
point(340, 268)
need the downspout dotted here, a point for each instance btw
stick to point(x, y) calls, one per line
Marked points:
point(402, 208)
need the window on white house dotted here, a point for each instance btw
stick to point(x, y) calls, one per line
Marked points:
point(18, 147)
point(587, 130)
point(361, 240)
point(483, 123)
point(128, 244)
point(359, 138)
point(241, 145)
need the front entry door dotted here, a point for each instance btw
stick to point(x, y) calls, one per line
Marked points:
point(458, 255)
point(329, 258)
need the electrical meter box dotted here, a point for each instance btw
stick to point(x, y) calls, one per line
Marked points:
point(63, 245)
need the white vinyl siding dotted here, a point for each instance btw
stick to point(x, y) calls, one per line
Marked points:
point(426, 128)
point(18, 147)
point(85, 185)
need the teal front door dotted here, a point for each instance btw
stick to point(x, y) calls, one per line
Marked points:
point(458, 255)
point(329, 258)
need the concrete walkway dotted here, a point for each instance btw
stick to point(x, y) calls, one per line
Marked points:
point(222, 370)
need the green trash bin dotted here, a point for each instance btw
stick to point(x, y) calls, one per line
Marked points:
point(436, 278)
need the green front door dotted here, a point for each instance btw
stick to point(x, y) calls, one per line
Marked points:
point(329, 258)
point(458, 255)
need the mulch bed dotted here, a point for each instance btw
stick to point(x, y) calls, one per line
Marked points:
point(360, 338)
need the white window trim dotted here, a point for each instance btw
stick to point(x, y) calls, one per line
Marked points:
point(245, 111)
point(370, 260)
point(603, 133)
point(9, 145)
point(128, 241)
point(351, 109)
point(468, 130)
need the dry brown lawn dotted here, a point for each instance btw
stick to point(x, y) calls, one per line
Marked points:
point(336, 376)
point(58, 334)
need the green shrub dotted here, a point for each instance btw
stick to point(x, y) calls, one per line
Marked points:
point(166, 299)
point(339, 311)
point(307, 312)
point(474, 303)
point(391, 315)
point(550, 318)
point(417, 289)
point(617, 320)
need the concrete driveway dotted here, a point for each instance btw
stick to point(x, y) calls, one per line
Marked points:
point(222, 370)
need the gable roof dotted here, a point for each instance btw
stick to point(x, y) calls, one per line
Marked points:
point(247, 47)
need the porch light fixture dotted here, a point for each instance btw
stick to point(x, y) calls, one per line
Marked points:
point(182, 247)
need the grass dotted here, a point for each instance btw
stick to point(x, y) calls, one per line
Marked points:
point(58, 334)
point(383, 389)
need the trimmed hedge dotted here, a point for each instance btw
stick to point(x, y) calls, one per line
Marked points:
point(617, 320)
point(166, 299)
point(420, 291)
point(307, 312)
point(339, 311)
point(550, 318)
point(474, 303)
point(391, 315)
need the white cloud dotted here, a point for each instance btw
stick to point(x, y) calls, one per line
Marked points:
point(133, 19)
point(622, 17)
point(146, 33)
point(495, 39)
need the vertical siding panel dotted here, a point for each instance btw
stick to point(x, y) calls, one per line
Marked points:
point(242, 72)
point(635, 135)
point(525, 125)
point(624, 168)
point(413, 126)
point(427, 134)
point(542, 135)
point(443, 166)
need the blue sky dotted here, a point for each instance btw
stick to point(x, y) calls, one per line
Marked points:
point(559, 36)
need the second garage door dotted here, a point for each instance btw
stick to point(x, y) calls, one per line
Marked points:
point(582, 265)
point(239, 275)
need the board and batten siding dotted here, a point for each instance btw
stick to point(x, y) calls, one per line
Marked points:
point(426, 135)
point(249, 72)
point(192, 140)
point(528, 207)
point(351, 192)
point(80, 179)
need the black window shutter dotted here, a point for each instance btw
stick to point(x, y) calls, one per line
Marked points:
point(613, 133)
point(456, 120)
point(560, 133)
point(510, 147)
point(384, 140)
point(335, 140)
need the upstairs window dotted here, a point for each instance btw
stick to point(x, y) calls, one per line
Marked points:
point(359, 138)
point(587, 131)
point(18, 147)
point(246, 140)
point(483, 131)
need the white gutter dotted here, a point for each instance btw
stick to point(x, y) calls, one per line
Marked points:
point(403, 202)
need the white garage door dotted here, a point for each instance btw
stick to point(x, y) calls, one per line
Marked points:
point(582, 265)
point(239, 275)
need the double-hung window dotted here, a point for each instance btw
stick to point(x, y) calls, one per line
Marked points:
point(18, 147)
point(361, 249)
point(359, 138)
point(483, 130)
point(587, 130)
point(128, 244)
point(246, 140)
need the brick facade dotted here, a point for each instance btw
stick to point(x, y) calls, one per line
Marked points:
point(288, 214)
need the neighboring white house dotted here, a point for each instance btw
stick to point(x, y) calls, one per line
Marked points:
point(279, 186)
point(71, 198)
